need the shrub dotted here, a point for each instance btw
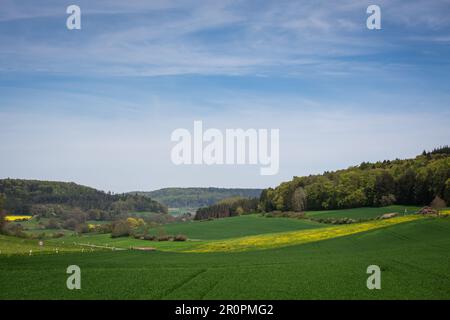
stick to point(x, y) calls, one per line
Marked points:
point(82, 228)
point(163, 238)
point(70, 224)
point(180, 237)
point(15, 230)
point(104, 228)
point(335, 221)
point(120, 229)
point(57, 235)
point(285, 214)
point(52, 224)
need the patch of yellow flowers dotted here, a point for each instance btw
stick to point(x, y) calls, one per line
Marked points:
point(16, 218)
point(266, 241)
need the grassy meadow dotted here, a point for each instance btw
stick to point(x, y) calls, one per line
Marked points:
point(292, 259)
point(362, 213)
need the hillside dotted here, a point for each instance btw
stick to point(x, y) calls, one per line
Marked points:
point(22, 195)
point(408, 182)
point(197, 197)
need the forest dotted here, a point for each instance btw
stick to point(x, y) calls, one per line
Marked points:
point(228, 208)
point(26, 196)
point(408, 182)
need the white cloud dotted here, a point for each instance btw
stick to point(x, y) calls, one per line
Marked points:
point(211, 37)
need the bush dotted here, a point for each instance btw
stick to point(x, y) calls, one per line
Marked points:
point(82, 228)
point(70, 224)
point(180, 237)
point(15, 230)
point(120, 229)
point(52, 224)
point(335, 221)
point(104, 228)
point(285, 214)
point(163, 238)
point(39, 236)
point(149, 237)
point(57, 235)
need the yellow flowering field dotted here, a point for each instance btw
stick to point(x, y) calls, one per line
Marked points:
point(266, 241)
point(15, 218)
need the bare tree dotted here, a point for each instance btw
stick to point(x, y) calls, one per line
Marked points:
point(298, 201)
point(438, 203)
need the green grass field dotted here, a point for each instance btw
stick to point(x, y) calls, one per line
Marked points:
point(362, 213)
point(414, 257)
point(16, 246)
point(236, 227)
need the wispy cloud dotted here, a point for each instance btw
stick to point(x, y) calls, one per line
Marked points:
point(205, 37)
point(97, 106)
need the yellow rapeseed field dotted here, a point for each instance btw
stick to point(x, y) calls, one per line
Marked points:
point(15, 218)
point(266, 241)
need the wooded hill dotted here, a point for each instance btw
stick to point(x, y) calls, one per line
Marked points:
point(22, 195)
point(409, 182)
point(197, 197)
point(229, 207)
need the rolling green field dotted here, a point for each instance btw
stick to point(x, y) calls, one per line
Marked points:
point(16, 246)
point(236, 227)
point(362, 213)
point(414, 256)
point(200, 232)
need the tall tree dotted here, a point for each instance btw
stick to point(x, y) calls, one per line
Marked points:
point(299, 200)
point(2, 213)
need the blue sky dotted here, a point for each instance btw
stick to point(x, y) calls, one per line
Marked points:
point(97, 105)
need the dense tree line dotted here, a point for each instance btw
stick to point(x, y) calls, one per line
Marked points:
point(197, 197)
point(2, 214)
point(228, 208)
point(410, 182)
point(22, 195)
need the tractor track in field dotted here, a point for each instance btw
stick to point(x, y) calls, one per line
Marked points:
point(398, 235)
point(211, 288)
point(422, 270)
point(183, 283)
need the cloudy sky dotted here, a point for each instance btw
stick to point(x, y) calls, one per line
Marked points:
point(97, 106)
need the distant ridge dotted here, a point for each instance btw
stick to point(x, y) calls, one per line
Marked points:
point(196, 197)
point(21, 195)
